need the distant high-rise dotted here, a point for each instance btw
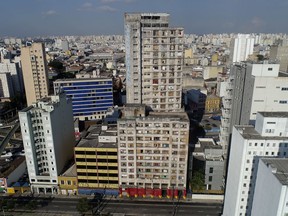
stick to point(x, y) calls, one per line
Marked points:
point(48, 139)
point(14, 68)
point(35, 72)
point(267, 139)
point(154, 61)
point(6, 89)
point(241, 47)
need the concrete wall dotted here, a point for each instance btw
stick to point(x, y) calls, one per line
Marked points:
point(208, 197)
point(267, 192)
point(17, 173)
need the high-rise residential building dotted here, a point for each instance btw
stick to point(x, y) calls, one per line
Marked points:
point(7, 66)
point(48, 137)
point(154, 61)
point(152, 152)
point(91, 97)
point(6, 88)
point(251, 87)
point(267, 139)
point(241, 47)
point(35, 72)
point(270, 196)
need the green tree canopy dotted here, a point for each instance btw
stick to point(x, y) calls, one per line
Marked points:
point(56, 65)
point(83, 206)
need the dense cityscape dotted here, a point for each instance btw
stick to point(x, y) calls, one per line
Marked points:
point(151, 122)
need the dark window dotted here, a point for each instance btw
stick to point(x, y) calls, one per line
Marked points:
point(211, 170)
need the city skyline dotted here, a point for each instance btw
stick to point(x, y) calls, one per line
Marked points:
point(43, 18)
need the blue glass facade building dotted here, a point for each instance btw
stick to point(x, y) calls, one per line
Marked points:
point(91, 97)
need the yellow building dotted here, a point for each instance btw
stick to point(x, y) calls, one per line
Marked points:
point(68, 184)
point(96, 159)
point(188, 56)
point(212, 104)
point(214, 58)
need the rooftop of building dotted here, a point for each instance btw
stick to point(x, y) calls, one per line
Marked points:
point(46, 101)
point(249, 132)
point(94, 143)
point(7, 167)
point(206, 143)
point(274, 114)
point(179, 116)
point(71, 171)
point(92, 79)
point(279, 168)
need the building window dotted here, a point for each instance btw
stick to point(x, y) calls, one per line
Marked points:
point(210, 178)
point(270, 69)
point(211, 170)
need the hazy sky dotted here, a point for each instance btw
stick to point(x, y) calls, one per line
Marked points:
point(87, 17)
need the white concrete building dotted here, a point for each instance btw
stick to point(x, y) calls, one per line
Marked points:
point(14, 68)
point(6, 88)
point(48, 137)
point(154, 61)
point(241, 47)
point(251, 88)
point(271, 191)
point(269, 138)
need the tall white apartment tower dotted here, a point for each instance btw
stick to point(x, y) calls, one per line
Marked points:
point(241, 47)
point(154, 61)
point(269, 138)
point(48, 137)
point(251, 88)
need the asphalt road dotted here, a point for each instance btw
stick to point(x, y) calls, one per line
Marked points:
point(127, 207)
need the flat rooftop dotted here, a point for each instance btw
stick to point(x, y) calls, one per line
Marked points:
point(280, 168)
point(275, 114)
point(249, 132)
point(94, 143)
point(92, 79)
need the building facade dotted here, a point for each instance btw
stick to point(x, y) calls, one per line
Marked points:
point(280, 54)
point(154, 61)
point(241, 47)
point(91, 98)
point(35, 72)
point(251, 88)
point(271, 197)
point(6, 88)
point(96, 160)
point(48, 139)
point(152, 153)
point(6, 66)
point(269, 138)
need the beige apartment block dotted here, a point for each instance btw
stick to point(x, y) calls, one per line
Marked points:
point(153, 153)
point(154, 61)
point(35, 72)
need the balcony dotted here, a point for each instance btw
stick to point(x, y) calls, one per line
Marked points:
point(225, 122)
point(226, 103)
point(226, 114)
